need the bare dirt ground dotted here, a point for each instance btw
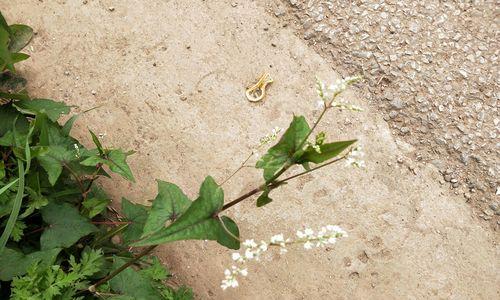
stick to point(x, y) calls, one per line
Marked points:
point(170, 76)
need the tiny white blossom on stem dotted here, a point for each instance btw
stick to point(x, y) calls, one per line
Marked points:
point(270, 137)
point(252, 250)
point(354, 158)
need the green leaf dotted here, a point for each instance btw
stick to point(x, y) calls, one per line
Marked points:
point(168, 205)
point(20, 37)
point(328, 151)
point(156, 271)
point(200, 221)
point(95, 206)
point(65, 226)
point(16, 207)
point(51, 108)
point(264, 198)
point(69, 125)
point(11, 83)
point(53, 160)
point(97, 142)
point(131, 283)
point(286, 149)
point(18, 231)
point(2, 169)
point(5, 55)
point(137, 214)
point(116, 160)
point(3, 24)
point(7, 116)
point(17, 57)
point(15, 263)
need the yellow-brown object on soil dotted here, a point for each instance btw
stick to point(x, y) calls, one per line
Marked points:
point(257, 92)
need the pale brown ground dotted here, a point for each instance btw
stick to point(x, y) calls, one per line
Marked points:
point(409, 236)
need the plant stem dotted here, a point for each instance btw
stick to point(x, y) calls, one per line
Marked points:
point(269, 183)
point(273, 185)
point(237, 170)
point(277, 183)
point(143, 253)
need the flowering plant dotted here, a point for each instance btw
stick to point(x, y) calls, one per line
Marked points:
point(61, 239)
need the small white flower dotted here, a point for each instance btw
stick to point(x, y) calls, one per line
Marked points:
point(270, 137)
point(249, 254)
point(227, 272)
point(301, 234)
point(276, 239)
point(308, 245)
point(244, 272)
point(263, 246)
point(308, 232)
point(283, 250)
point(237, 257)
point(250, 244)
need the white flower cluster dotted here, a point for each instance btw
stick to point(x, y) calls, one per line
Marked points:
point(270, 137)
point(327, 235)
point(355, 158)
point(329, 94)
point(341, 85)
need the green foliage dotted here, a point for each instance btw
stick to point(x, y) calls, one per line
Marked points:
point(65, 226)
point(53, 282)
point(200, 221)
point(327, 151)
point(56, 240)
point(15, 263)
point(137, 215)
point(168, 205)
point(287, 148)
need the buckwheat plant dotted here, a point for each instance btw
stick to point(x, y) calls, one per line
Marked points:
point(174, 217)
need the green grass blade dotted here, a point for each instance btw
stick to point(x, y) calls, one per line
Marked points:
point(15, 208)
point(3, 189)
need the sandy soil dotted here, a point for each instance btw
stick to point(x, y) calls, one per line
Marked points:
point(170, 76)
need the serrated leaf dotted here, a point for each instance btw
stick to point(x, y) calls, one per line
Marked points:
point(131, 283)
point(20, 36)
point(156, 271)
point(200, 221)
point(264, 199)
point(137, 215)
point(65, 226)
point(328, 151)
point(15, 263)
point(286, 148)
point(168, 205)
point(18, 231)
point(51, 108)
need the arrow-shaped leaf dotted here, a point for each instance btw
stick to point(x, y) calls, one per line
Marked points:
point(327, 151)
point(168, 205)
point(200, 221)
point(66, 226)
